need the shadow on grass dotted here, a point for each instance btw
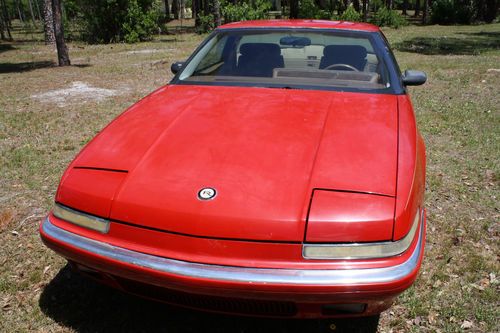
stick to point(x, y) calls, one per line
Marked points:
point(470, 44)
point(83, 305)
point(24, 66)
point(6, 47)
point(21, 67)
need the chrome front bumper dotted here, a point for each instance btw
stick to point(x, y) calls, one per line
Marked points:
point(338, 277)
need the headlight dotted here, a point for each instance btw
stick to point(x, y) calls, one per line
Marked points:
point(362, 250)
point(81, 219)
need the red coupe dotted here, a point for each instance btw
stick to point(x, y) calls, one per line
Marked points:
point(280, 173)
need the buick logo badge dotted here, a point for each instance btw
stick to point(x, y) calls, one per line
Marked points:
point(207, 193)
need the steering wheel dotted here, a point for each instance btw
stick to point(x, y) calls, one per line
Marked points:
point(352, 68)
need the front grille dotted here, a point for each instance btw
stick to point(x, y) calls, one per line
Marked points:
point(210, 303)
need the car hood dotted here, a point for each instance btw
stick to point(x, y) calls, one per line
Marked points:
point(264, 151)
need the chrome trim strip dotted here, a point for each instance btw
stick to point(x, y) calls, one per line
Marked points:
point(239, 274)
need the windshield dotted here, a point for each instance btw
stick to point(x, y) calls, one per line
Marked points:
point(289, 58)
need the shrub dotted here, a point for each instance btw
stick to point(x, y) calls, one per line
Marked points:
point(140, 25)
point(450, 12)
point(243, 11)
point(385, 17)
point(206, 23)
point(108, 21)
point(308, 9)
point(350, 14)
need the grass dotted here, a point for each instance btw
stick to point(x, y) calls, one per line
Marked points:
point(457, 112)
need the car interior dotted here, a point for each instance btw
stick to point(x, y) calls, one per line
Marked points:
point(300, 59)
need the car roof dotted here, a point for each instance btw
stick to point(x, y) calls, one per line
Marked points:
point(318, 24)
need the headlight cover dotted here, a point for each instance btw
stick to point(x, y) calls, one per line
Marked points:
point(81, 219)
point(362, 250)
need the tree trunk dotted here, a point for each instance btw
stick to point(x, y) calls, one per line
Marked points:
point(5, 22)
point(216, 12)
point(19, 11)
point(405, 7)
point(294, 9)
point(48, 23)
point(355, 4)
point(425, 11)
point(38, 13)
point(417, 8)
point(196, 12)
point(62, 49)
point(32, 13)
point(365, 10)
point(491, 10)
point(167, 11)
point(175, 9)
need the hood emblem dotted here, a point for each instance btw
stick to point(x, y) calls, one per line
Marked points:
point(207, 193)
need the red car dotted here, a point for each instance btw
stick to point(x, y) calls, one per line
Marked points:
point(280, 173)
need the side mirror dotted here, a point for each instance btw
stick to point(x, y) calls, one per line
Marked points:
point(176, 66)
point(414, 78)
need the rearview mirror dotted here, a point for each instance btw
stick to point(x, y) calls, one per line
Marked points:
point(295, 41)
point(414, 78)
point(176, 66)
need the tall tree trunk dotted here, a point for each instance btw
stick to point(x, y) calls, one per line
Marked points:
point(196, 12)
point(48, 23)
point(491, 10)
point(62, 49)
point(5, 22)
point(216, 12)
point(405, 7)
point(32, 13)
point(19, 11)
point(355, 4)
point(417, 8)
point(167, 11)
point(425, 11)
point(294, 9)
point(365, 10)
point(37, 6)
point(175, 9)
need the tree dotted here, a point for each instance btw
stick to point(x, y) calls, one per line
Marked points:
point(365, 10)
point(425, 11)
point(167, 10)
point(62, 49)
point(417, 8)
point(405, 7)
point(48, 22)
point(175, 9)
point(294, 9)
point(216, 12)
point(4, 22)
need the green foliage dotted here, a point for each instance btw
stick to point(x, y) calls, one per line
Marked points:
point(308, 9)
point(385, 17)
point(451, 12)
point(140, 24)
point(245, 10)
point(350, 14)
point(108, 21)
point(207, 23)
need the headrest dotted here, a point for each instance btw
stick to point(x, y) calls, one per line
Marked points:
point(268, 49)
point(354, 51)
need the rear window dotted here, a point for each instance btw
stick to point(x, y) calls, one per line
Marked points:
point(289, 58)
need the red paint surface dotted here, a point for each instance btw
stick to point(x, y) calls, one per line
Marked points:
point(320, 24)
point(264, 154)
point(349, 217)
